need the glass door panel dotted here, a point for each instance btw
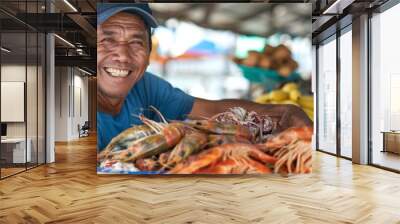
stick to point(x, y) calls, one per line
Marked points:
point(327, 97)
point(346, 94)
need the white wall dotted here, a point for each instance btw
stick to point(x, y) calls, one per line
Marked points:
point(71, 93)
point(80, 110)
point(33, 127)
point(61, 103)
point(12, 73)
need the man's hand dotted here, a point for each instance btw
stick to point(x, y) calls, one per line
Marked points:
point(284, 116)
point(294, 116)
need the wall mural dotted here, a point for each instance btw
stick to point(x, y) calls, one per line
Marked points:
point(145, 125)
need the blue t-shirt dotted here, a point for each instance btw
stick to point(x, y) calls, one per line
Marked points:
point(150, 90)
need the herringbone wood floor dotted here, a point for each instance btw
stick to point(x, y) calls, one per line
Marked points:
point(69, 191)
point(9, 171)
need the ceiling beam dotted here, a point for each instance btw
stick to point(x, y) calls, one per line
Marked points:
point(321, 23)
point(231, 27)
point(337, 6)
point(91, 5)
point(86, 26)
point(250, 15)
point(208, 10)
point(181, 14)
point(48, 22)
point(84, 61)
point(257, 12)
point(163, 16)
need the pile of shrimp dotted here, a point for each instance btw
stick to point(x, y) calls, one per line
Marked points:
point(209, 146)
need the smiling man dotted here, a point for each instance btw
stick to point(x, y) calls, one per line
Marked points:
point(125, 89)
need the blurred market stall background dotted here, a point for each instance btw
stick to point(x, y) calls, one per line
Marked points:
point(260, 52)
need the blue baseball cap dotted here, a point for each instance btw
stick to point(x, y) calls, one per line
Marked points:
point(106, 10)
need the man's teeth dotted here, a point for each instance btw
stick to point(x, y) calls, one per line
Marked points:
point(117, 72)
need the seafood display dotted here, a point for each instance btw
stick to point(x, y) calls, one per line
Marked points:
point(233, 158)
point(234, 142)
point(292, 148)
point(260, 124)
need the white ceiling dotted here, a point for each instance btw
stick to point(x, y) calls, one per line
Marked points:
point(261, 19)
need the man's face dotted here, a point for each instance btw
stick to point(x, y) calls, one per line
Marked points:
point(122, 54)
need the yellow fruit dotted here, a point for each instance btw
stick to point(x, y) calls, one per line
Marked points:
point(290, 102)
point(274, 102)
point(310, 113)
point(294, 95)
point(308, 97)
point(289, 87)
point(278, 95)
point(306, 102)
point(262, 99)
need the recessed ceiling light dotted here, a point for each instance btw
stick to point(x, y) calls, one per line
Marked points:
point(70, 5)
point(65, 41)
point(86, 72)
point(5, 50)
point(337, 7)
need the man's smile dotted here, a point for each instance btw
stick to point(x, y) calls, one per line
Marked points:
point(116, 72)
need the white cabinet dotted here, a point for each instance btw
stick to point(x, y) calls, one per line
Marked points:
point(12, 101)
point(18, 149)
